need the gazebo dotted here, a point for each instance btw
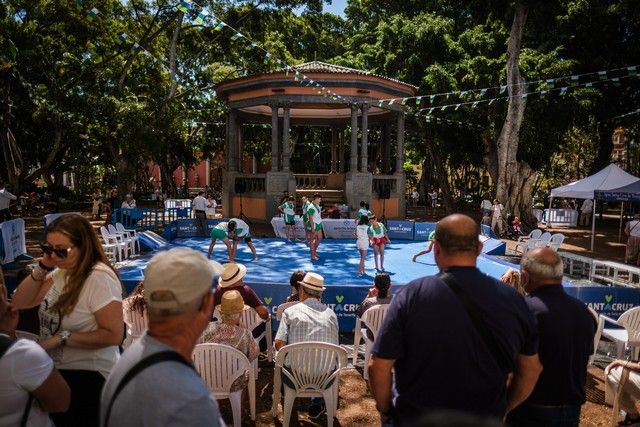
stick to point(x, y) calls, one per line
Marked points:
point(277, 98)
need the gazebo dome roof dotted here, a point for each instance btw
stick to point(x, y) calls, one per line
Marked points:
point(252, 96)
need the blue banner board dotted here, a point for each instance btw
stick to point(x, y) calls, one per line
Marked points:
point(402, 230)
point(422, 230)
point(188, 228)
point(607, 300)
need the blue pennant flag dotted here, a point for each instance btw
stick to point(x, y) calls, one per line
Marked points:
point(93, 12)
point(202, 16)
point(503, 88)
point(122, 37)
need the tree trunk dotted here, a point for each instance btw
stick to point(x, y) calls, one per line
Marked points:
point(603, 158)
point(514, 178)
point(441, 174)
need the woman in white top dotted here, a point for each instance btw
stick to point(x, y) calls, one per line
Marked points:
point(632, 230)
point(362, 240)
point(210, 207)
point(81, 322)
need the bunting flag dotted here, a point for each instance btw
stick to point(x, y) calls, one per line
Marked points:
point(122, 37)
point(202, 16)
point(503, 88)
point(93, 12)
point(236, 36)
point(219, 26)
point(184, 5)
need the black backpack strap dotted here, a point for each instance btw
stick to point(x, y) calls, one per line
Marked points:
point(5, 344)
point(502, 358)
point(163, 356)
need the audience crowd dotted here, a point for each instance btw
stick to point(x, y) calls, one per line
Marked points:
point(459, 341)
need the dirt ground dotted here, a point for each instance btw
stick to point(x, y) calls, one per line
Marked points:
point(356, 406)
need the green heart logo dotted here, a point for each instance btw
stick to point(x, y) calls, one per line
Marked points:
point(339, 298)
point(608, 298)
point(268, 300)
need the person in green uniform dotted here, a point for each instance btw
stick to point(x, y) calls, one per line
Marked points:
point(288, 211)
point(221, 232)
point(237, 230)
point(305, 219)
point(315, 226)
point(431, 238)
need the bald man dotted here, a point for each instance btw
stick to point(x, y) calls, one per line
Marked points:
point(566, 330)
point(439, 357)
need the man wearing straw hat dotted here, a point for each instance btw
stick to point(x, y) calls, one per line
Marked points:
point(230, 279)
point(310, 320)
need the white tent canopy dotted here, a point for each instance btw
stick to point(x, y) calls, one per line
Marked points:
point(607, 179)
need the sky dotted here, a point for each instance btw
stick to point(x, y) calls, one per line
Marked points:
point(336, 6)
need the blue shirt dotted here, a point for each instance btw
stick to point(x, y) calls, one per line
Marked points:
point(441, 362)
point(566, 330)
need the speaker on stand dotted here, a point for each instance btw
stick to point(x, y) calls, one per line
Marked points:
point(240, 189)
point(384, 193)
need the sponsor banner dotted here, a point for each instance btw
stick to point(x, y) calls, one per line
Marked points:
point(339, 228)
point(13, 240)
point(278, 227)
point(343, 300)
point(187, 228)
point(400, 229)
point(607, 300)
point(422, 230)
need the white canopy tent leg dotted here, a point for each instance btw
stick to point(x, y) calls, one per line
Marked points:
point(593, 224)
point(621, 215)
point(548, 215)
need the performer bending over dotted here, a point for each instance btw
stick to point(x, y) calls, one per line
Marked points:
point(315, 225)
point(378, 238)
point(220, 231)
point(431, 237)
point(238, 229)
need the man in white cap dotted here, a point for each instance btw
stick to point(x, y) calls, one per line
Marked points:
point(310, 320)
point(154, 382)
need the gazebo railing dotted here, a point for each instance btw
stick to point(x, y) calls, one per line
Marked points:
point(250, 183)
point(311, 181)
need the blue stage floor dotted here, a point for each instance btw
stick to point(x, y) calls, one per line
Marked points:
point(338, 264)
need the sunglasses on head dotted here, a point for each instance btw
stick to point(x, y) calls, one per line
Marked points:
point(60, 252)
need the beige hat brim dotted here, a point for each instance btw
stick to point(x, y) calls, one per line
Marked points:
point(242, 271)
point(221, 311)
point(311, 286)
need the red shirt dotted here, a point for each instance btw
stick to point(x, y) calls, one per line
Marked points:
point(248, 295)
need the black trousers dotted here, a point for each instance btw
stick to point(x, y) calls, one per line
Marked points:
point(5, 215)
point(201, 221)
point(86, 387)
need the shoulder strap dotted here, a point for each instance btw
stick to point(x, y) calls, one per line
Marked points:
point(500, 356)
point(5, 344)
point(163, 356)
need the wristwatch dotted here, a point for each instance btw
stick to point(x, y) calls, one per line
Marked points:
point(64, 336)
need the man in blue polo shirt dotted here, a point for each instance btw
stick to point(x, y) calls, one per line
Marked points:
point(440, 359)
point(566, 330)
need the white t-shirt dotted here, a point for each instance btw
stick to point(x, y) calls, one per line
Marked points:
point(587, 206)
point(497, 210)
point(199, 204)
point(210, 207)
point(100, 288)
point(128, 205)
point(24, 368)
point(362, 237)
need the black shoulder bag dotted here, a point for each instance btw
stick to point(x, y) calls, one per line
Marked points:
point(5, 344)
point(500, 355)
point(163, 356)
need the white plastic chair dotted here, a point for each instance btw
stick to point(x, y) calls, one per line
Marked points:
point(250, 320)
point(282, 307)
point(556, 241)
point(129, 232)
point(596, 338)
point(373, 318)
point(541, 242)
point(629, 337)
point(114, 241)
point(111, 251)
point(26, 335)
point(219, 366)
point(137, 325)
point(124, 237)
point(523, 241)
point(314, 368)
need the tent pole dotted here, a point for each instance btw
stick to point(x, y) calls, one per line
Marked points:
point(593, 224)
point(548, 215)
point(621, 215)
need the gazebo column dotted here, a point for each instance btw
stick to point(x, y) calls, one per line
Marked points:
point(341, 150)
point(386, 146)
point(334, 148)
point(274, 137)
point(232, 140)
point(364, 153)
point(240, 146)
point(286, 142)
point(353, 166)
point(400, 142)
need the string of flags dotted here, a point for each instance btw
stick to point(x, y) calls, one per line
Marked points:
point(544, 84)
point(616, 118)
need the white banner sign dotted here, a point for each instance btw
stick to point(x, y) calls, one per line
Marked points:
point(14, 243)
point(333, 228)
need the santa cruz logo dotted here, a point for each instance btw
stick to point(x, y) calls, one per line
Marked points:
point(608, 305)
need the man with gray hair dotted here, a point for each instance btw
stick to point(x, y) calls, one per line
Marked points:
point(154, 382)
point(566, 330)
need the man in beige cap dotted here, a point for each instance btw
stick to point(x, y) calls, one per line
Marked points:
point(154, 382)
point(310, 320)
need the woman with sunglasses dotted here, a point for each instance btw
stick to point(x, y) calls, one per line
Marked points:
point(81, 322)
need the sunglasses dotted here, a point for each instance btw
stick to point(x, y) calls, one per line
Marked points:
point(60, 252)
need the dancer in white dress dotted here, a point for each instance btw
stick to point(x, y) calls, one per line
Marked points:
point(362, 240)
